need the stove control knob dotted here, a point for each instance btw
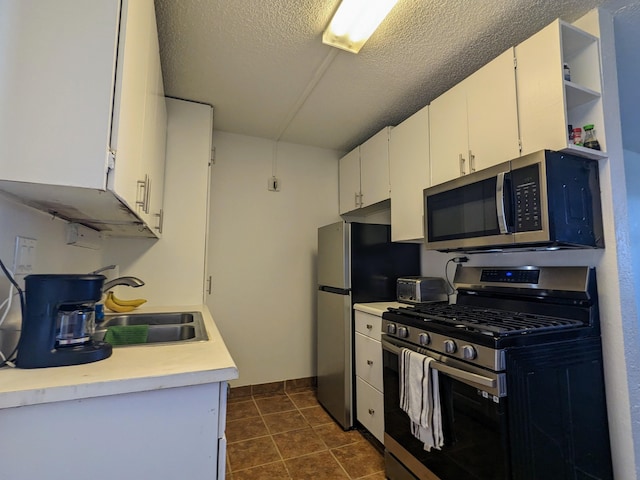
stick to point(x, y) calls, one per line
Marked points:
point(450, 346)
point(391, 328)
point(403, 332)
point(468, 352)
point(424, 339)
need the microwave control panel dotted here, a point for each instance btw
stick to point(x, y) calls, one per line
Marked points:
point(526, 192)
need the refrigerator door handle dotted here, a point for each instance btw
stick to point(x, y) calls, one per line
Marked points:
point(336, 290)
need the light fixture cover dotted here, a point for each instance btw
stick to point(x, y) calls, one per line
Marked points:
point(354, 22)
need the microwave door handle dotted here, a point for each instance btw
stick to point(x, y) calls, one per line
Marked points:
point(502, 219)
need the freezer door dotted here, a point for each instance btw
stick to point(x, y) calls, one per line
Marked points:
point(335, 340)
point(333, 255)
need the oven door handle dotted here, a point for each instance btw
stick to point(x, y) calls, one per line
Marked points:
point(463, 375)
point(448, 370)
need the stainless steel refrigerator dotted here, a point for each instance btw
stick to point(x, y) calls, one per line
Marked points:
point(357, 263)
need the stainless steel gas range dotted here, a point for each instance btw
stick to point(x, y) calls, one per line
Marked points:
point(521, 383)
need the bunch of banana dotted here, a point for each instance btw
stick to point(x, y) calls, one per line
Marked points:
point(118, 305)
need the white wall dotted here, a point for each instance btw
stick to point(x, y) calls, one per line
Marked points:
point(262, 252)
point(173, 267)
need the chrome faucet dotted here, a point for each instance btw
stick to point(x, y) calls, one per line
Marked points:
point(128, 281)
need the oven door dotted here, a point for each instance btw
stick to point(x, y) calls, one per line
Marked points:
point(474, 418)
point(473, 211)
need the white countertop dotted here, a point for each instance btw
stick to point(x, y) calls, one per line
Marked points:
point(377, 308)
point(129, 369)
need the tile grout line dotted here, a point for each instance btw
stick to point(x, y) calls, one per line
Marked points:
point(299, 411)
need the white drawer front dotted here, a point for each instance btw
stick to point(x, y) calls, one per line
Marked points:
point(369, 360)
point(368, 324)
point(370, 404)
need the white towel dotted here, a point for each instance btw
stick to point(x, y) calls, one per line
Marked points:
point(420, 398)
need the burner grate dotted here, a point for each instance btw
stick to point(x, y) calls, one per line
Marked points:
point(488, 321)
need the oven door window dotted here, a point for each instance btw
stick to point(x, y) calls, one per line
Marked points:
point(474, 426)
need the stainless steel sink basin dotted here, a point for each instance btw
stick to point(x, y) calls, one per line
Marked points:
point(148, 319)
point(163, 327)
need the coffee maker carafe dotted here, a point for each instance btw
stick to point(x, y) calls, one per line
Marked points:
point(59, 320)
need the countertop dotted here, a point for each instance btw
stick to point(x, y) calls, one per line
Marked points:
point(129, 369)
point(377, 308)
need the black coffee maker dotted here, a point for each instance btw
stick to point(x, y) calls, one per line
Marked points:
point(59, 320)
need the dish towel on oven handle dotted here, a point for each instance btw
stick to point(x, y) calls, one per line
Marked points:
point(420, 398)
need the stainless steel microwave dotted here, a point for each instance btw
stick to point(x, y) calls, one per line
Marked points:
point(544, 200)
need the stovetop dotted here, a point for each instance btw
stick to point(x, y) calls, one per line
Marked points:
point(485, 321)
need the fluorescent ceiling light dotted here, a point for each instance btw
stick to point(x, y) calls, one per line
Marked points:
point(354, 22)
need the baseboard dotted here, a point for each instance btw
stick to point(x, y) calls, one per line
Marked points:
point(273, 388)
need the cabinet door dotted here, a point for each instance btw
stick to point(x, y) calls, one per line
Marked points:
point(448, 135)
point(155, 129)
point(350, 181)
point(540, 92)
point(56, 79)
point(547, 102)
point(492, 113)
point(409, 175)
point(369, 360)
point(130, 102)
point(370, 408)
point(368, 324)
point(374, 168)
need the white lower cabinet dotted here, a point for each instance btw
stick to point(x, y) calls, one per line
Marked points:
point(370, 408)
point(144, 431)
point(369, 386)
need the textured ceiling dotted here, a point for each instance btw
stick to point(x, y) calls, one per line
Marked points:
point(262, 64)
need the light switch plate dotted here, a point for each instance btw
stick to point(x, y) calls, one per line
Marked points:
point(25, 256)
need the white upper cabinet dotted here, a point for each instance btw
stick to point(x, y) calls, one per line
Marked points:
point(364, 174)
point(374, 168)
point(83, 124)
point(474, 125)
point(547, 102)
point(409, 175)
point(350, 181)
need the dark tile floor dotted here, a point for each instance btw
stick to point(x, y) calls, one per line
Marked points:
point(290, 436)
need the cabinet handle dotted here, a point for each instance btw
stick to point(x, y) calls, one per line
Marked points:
point(369, 362)
point(160, 220)
point(371, 411)
point(142, 186)
point(461, 160)
point(209, 281)
point(356, 199)
point(147, 197)
point(369, 326)
point(472, 162)
point(145, 186)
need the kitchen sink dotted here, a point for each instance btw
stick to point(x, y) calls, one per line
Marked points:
point(148, 319)
point(163, 327)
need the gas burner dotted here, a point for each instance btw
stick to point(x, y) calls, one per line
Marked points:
point(486, 321)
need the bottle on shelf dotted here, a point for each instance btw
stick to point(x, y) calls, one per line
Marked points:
point(590, 140)
point(567, 72)
point(577, 136)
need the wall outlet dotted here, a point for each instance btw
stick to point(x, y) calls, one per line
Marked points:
point(24, 260)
